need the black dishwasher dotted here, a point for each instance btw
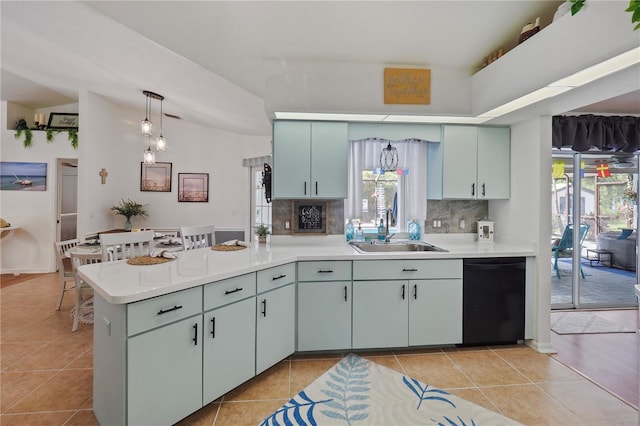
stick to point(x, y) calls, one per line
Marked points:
point(493, 306)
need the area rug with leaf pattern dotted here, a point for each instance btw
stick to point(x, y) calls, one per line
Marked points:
point(357, 391)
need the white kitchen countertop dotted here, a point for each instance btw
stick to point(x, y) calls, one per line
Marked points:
point(120, 283)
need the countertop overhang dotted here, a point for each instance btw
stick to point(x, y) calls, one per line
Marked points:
point(121, 283)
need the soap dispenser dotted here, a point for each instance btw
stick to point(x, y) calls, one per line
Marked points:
point(381, 231)
point(350, 230)
point(414, 230)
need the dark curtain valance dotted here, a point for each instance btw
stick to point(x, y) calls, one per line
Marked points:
point(607, 133)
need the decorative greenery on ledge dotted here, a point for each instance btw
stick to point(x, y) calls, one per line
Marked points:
point(72, 136)
point(634, 9)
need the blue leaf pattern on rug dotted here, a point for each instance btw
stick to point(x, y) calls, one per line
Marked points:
point(348, 387)
point(297, 409)
point(450, 422)
point(420, 391)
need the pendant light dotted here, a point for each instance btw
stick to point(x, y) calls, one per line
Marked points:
point(146, 128)
point(161, 143)
point(389, 158)
point(146, 124)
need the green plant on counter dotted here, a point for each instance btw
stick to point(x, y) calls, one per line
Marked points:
point(634, 9)
point(262, 230)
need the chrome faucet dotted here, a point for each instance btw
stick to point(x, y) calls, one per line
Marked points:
point(387, 235)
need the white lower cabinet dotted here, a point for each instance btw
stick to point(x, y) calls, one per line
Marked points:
point(380, 312)
point(164, 369)
point(275, 326)
point(324, 315)
point(229, 348)
point(435, 312)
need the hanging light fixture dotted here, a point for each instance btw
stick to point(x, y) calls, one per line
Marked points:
point(389, 158)
point(146, 128)
point(161, 143)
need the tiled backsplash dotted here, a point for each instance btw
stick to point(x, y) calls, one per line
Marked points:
point(450, 214)
point(455, 216)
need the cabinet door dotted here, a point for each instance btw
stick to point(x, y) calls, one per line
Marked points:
point(229, 348)
point(275, 326)
point(459, 162)
point(435, 312)
point(329, 160)
point(324, 315)
point(291, 159)
point(493, 163)
point(165, 373)
point(380, 314)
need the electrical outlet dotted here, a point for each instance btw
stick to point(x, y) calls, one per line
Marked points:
point(287, 224)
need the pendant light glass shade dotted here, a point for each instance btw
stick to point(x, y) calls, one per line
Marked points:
point(145, 127)
point(161, 144)
point(146, 124)
point(389, 158)
point(149, 156)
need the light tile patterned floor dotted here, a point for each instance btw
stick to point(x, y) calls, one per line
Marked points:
point(46, 374)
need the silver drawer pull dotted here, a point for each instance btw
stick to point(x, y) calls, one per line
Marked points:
point(233, 291)
point(164, 311)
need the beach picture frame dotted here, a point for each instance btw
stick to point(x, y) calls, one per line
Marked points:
point(155, 177)
point(23, 176)
point(193, 187)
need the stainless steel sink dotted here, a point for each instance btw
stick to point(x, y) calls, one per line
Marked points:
point(394, 246)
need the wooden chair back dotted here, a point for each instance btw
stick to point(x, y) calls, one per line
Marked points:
point(125, 245)
point(194, 237)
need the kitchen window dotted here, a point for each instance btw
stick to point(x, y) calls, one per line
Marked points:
point(373, 191)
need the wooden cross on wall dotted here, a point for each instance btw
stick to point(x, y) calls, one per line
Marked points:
point(103, 174)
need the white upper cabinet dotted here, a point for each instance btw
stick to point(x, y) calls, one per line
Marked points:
point(471, 163)
point(309, 159)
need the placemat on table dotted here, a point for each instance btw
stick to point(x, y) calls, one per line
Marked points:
point(147, 260)
point(222, 247)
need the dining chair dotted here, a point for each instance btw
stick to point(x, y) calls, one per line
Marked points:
point(77, 260)
point(194, 237)
point(65, 270)
point(167, 232)
point(125, 245)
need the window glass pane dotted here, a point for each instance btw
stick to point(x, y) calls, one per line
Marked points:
point(378, 194)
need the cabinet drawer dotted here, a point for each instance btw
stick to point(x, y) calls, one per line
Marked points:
point(226, 291)
point(407, 269)
point(324, 271)
point(151, 313)
point(276, 277)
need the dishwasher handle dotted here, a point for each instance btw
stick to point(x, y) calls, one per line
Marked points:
point(496, 266)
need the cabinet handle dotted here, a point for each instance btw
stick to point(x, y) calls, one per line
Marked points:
point(409, 270)
point(415, 291)
point(278, 277)
point(305, 187)
point(195, 334)
point(264, 308)
point(345, 293)
point(233, 291)
point(402, 291)
point(483, 191)
point(473, 189)
point(325, 271)
point(316, 187)
point(164, 311)
point(213, 327)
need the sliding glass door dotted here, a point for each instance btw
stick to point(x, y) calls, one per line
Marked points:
point(594, 263)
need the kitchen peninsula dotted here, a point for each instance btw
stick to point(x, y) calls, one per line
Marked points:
point(170, 338)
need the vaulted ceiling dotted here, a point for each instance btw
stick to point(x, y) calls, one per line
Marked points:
point(208, 57)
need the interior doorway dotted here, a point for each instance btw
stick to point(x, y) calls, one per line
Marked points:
point(67, 199)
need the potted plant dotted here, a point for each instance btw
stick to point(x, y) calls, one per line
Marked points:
point(128, 208)
point(262, 231)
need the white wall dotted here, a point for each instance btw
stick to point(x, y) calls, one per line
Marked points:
point(526, 215)
point(30, 248)
point(109, 137)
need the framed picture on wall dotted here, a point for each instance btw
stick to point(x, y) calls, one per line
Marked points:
point(310, 217)
point(155, 177)
point(193, 187)
point(19, 176)
point(63, 121)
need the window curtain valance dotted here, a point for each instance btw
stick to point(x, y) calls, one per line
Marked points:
point(606, 133)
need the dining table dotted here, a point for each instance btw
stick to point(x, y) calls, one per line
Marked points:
point(92, 246)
